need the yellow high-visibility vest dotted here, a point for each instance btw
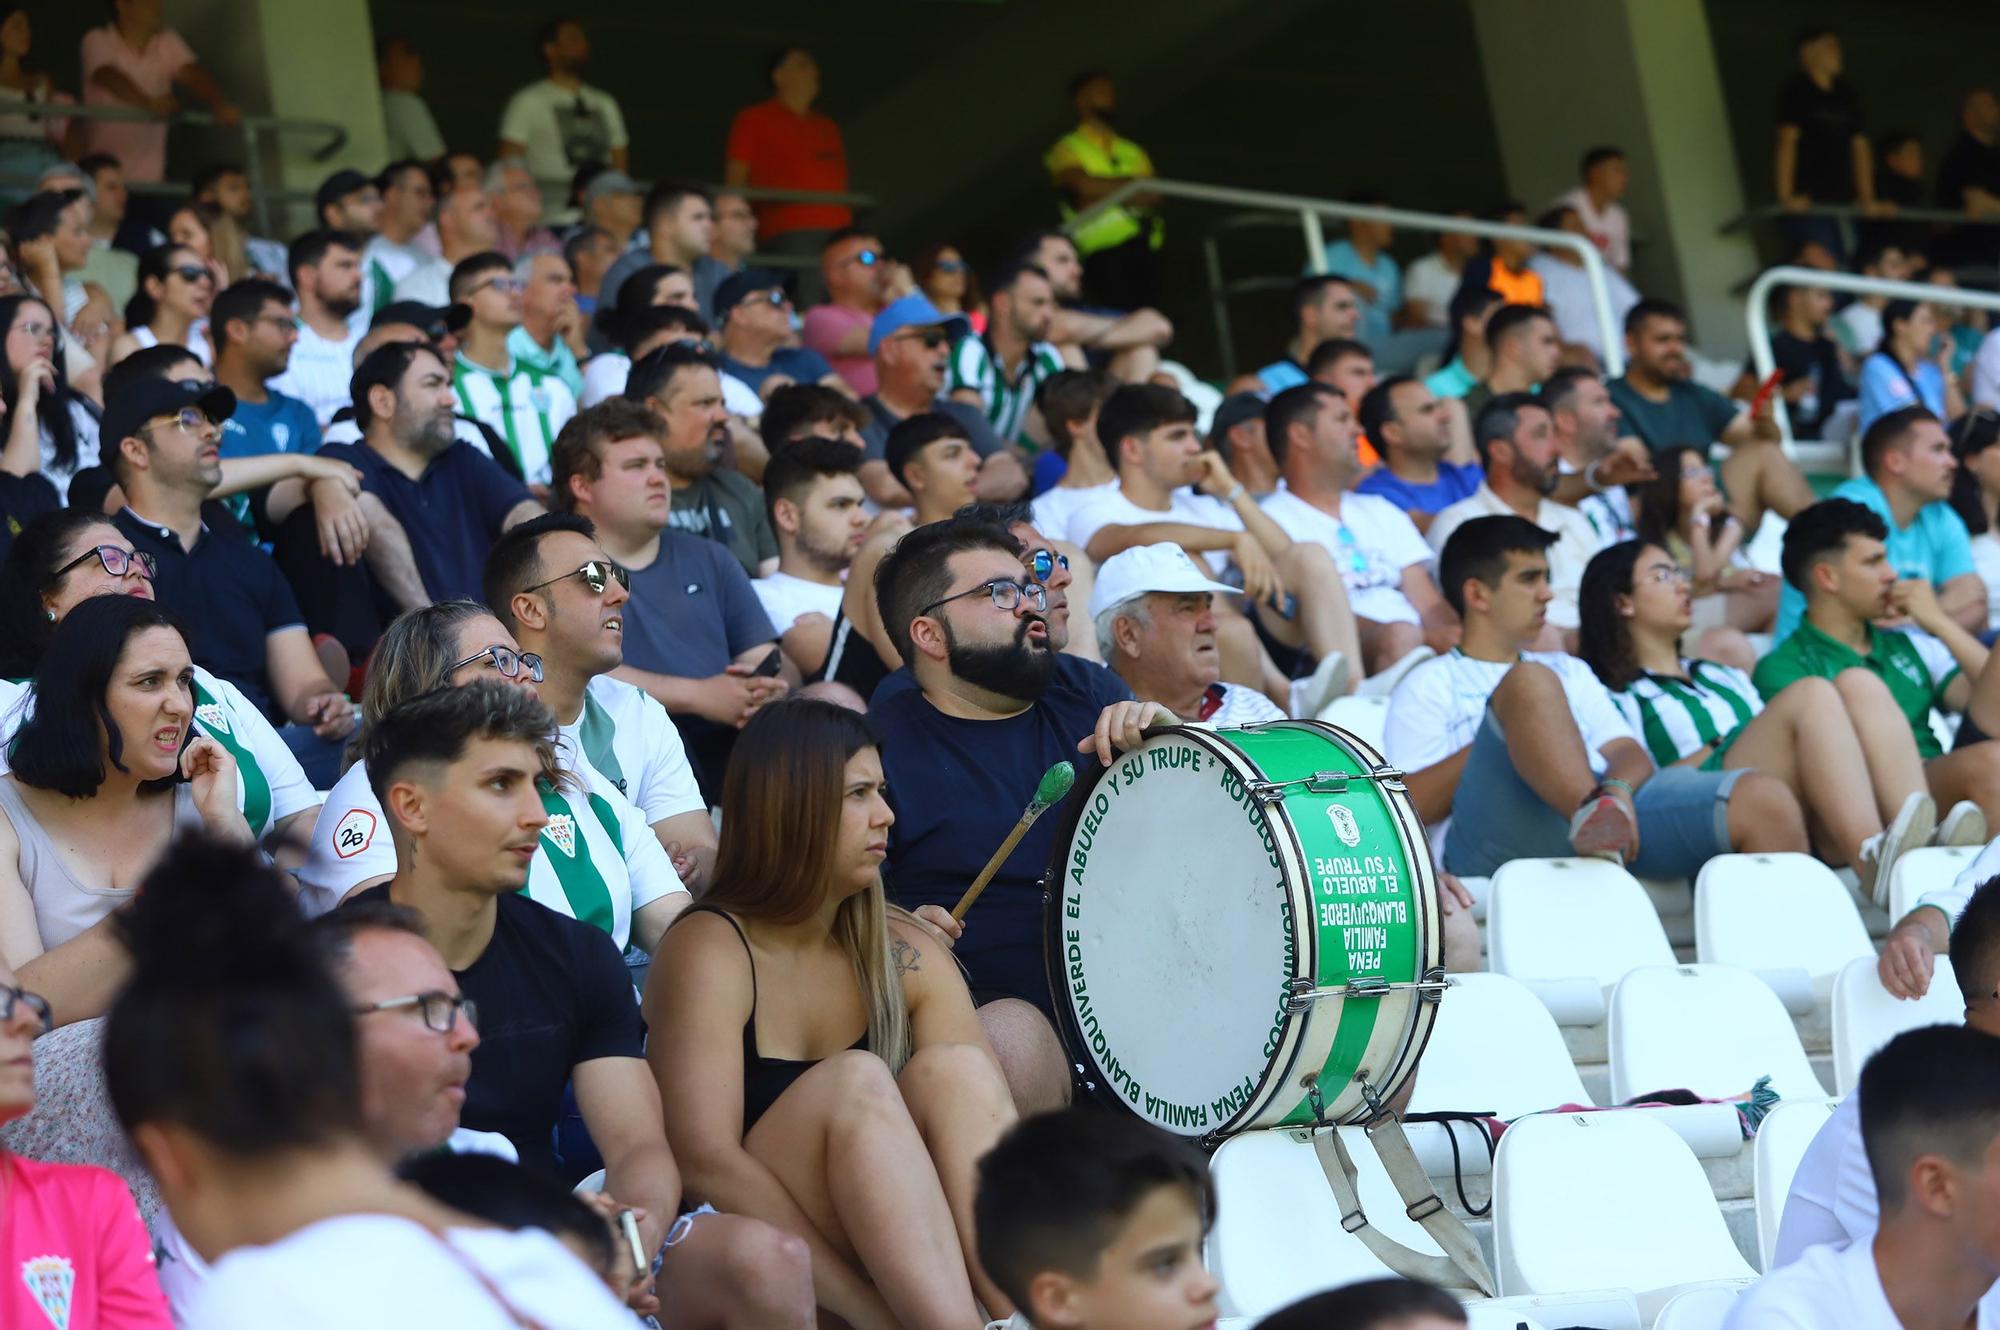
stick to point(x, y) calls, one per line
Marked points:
point(1123, 158)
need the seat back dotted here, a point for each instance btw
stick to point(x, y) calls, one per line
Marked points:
point(1712, 1029)
point(1589, 1200)
point(1776, 912)
point(1495, 1049)
point(1865, 1016)
point(1782, 1139)
point(1557, 922)
point(1366, 718)
point(1698, 1308)
point(1930, 869)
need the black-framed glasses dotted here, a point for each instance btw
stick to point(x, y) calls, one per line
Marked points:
point(439, 1010)
point(596, 575)
point(506, 660)
point(34, 1002)
point(1006, 595)
point(1042, 564)
point(116, 561)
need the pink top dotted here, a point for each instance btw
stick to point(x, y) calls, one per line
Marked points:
point(73, 1254)
point(824, 326)
point(140, 148)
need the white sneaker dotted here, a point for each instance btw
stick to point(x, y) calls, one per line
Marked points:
point(1911, 829)
point(1381, 685)
point(1965, 824)
point(1310, 696)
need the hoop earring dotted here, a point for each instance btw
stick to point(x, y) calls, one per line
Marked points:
point(50, 615)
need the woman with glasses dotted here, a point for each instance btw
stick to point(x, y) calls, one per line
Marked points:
point(51, 428)
point(597, 860)
point(171, 305)
point(943, 274)
point(818, 1055)
point(71, 1230)
point(1683, 512)
point(1842, 746)
point(1975, 496)
point(64, 559)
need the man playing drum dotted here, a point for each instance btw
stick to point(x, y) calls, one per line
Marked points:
point(1544, 760)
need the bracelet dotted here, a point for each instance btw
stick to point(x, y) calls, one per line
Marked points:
point(1613, 783)
point(1590, 477)
point(1234, 494)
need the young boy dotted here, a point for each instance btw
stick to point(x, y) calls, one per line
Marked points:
point(1094, 1221)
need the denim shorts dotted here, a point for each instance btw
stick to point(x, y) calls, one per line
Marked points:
point(1495, 816)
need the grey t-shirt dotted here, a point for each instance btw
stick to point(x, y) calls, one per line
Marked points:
point(693, 610)
point(875, 434)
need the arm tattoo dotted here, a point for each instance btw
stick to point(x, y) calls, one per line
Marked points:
point(905, 956)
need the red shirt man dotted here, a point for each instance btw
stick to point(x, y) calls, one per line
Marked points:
point(784, 144)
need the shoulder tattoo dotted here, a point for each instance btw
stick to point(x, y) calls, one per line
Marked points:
point(906, 956)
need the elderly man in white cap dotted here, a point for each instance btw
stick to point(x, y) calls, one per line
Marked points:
point(1155, 616)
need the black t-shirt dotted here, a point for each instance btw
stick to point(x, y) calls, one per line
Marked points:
point(552, 993)
point(22, 500)
point(1818, 361)
point(1827, 121)
point(958, 786)
point(1968, 163)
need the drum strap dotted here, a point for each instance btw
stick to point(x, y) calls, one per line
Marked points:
point(1462, 1260)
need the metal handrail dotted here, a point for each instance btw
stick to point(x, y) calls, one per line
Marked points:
point(1758, 322)
point(1851, 212)
point(1310, 211)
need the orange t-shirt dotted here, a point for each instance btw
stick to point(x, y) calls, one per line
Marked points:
point(1518, 288)
point(785, 150)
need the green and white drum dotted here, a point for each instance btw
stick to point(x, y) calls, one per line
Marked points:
point(1243, 929)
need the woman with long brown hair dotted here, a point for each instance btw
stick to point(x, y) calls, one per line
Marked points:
point(817, 1051)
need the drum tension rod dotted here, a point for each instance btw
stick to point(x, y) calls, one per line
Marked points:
point(1301, 994)
point(1325, 782)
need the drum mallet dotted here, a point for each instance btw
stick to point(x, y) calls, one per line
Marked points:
point(1049, 792)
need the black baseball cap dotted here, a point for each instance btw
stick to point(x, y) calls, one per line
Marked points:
point(338, 186)
point(435, 320)
point(1232, 411)
point(127, 414)
point(740, 286)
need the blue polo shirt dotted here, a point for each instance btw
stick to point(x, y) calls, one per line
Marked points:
point(1935, 547)
point(227, 591)
point(800, 364)
point(452, 513)
point(1455, 481)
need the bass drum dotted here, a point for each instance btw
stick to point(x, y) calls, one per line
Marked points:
point(1242, 930)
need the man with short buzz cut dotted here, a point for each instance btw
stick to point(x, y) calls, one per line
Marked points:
point(551, 337)
point(1517, 452)
point(553, 587)
point(910, 341)
point(693, 632)
point(1660, 403)
point(1603, 177)
point(524, 406)
point(1525, 349)
point(735, 236)
point(559, 122)
point(1407, 423)
point(348, 201)
point(860, 282)
point(808, 411)
point(929, 456)
point(1001, 370)
point(392, 253)
point(680, 224)
point(325, 269)
point(1069, 402)
point(1154, 611)
point(1324, 307)
point(817, 510)
point(465, 227)
point(1930, 1125)
point(1906, 478)
point(754, 317)
point(711, 499)
point(1470, 307)
point(1130, 341)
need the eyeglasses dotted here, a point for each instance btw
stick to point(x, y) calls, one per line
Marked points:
point(439, 1010)
point(1042, 564)
point(1667, 572)
point(596, 575)
point(36, 329)
point(191, 272)
point(1006, 595)
point(34, 1002)
point(117, 562)
point(1695, 470)
point(506, 286)
point(190, 418)
point(932, 338)
point(774, 296)
point(507, 661)
point(949, 265)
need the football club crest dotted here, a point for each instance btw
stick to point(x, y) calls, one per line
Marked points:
point(211, 717)
point(51, 1281)
point(561, 833)
point(1344, 825)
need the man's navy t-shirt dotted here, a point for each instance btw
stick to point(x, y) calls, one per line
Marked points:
point(800, 364)
point(958, 786)
point(552, 993)
point(452, 514)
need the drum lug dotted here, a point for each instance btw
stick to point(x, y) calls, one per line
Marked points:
point(1326, 782)
point(1301, 994)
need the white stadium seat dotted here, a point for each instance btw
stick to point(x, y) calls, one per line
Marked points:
point(1585, 1200)
point(1712, 1029)
point(1865, 1017)
point(1784, 916)
point(1570, 929)
point(1496, 1049)
point(1363, 717)
point(1782, 1138)
point(1699, 1308)
point(1929, 869)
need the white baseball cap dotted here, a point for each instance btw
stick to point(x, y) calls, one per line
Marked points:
point(1162, 567)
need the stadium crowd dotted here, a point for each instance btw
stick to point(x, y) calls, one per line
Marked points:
point(503, 692)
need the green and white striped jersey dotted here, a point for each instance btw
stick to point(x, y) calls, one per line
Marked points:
point(385, 263)
point(525, 406)
point(1676, 717)
point(626, 735)
point(1006, 402)
point(270, 784)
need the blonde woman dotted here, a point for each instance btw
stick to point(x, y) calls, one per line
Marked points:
point(818, 1055)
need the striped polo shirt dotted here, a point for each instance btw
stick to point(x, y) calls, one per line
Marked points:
point(525, 406)
point(1677, 717)
point(1006, 402)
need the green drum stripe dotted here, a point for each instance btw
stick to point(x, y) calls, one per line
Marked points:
point(256, 785)
point(582, 885)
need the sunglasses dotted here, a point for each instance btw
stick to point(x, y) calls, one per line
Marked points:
point(932, 338)
point(506, 661)
point(596, 575)
point(1042, 564)
point(949, 265)
point(774, 296)
point(191, 272)
point(116, 562)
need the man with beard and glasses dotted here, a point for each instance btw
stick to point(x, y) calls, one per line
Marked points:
point(1517, 450)
point(986, 705)
point(681, 385)
point(325, 267)
point(452, 500)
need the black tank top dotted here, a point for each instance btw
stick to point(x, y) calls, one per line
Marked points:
point(851, 659)
point(764, 1079)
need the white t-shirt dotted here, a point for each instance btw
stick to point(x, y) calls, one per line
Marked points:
point(1829, 1288)
point(1986, 371)
point(1439, 706)
point(1986, 559)
point(196, 343)
point(786, 597)
point(1832, 1199)
point(605, 375)
point(1054, 507)
point(1112, 508)
point(321, 372)
point(390, 1273)
point(627, 736)
point(562, 128)
point(1372, 543)
point(1611, 229)
point(1429, 280)
point(1576, 541)
point(1566, 292)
